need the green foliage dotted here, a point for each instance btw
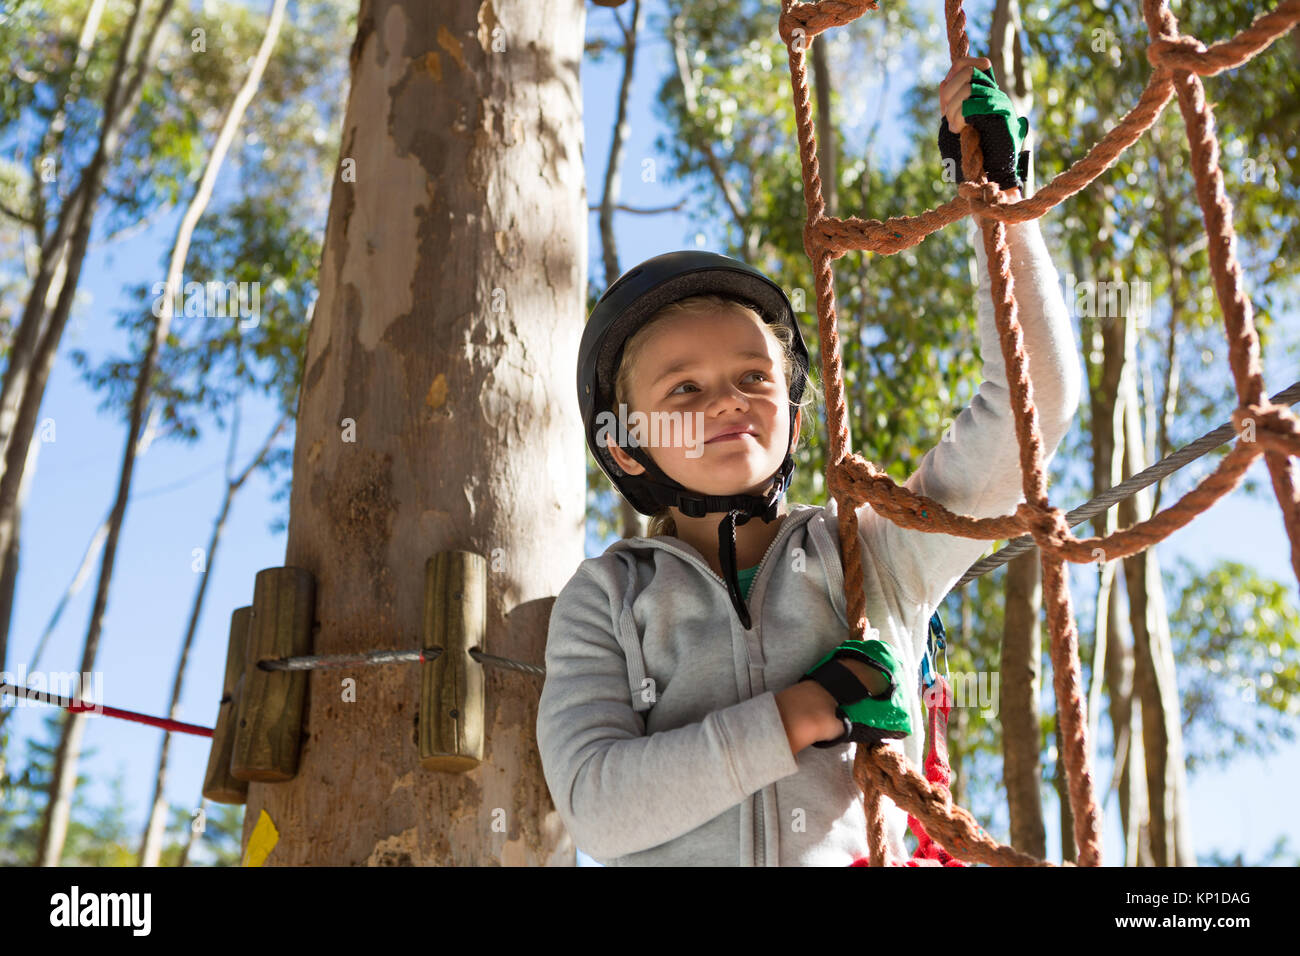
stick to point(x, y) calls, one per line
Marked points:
point(1235, 640)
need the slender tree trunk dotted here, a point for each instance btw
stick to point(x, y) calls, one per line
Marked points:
point(52, 145)
point(1138, 847)
point(1172, 252)
point(681, 52)
point(54, 826)
point(1022, 652)
point(827, 159)
point(9, 571)
point(1112, 658)
point(152, 842)
point(1154, 675)
point(633, 523)
point(1069, 851)
point(452, 283)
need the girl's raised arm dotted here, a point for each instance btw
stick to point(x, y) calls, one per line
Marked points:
point(975, 468)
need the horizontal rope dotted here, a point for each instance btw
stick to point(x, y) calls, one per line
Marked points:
point(311, 662)
point(305, 663)
point(1126, 489)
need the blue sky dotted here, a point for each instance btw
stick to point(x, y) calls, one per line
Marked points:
point(179, 488)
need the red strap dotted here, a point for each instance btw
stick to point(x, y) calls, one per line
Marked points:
point(928, 853)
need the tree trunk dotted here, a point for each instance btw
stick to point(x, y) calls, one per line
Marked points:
point(1154, 675)
point(54, 825)
point(451, 287)
point(1137, 851)
point(632, 521)
point(1112, 660)
point(826, 132)
point(681, 54)
point(9, 572)
point(1022, 653)
point(1069, 849)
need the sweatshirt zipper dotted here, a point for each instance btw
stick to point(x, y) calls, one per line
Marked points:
point(786, 527)
point(760, 836)
point(775, 541)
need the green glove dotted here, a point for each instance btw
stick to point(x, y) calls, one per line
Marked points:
point(867, 719)
point(1001, 132)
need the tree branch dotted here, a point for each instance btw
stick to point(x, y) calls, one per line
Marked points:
point(648, 211)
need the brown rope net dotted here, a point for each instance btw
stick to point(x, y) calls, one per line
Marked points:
point(1262, 427)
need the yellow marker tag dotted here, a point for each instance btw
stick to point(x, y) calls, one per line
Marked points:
point(262, 842)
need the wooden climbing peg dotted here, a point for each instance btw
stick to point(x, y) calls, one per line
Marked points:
point(452, 685)
point(268, 727)
point(219, 785)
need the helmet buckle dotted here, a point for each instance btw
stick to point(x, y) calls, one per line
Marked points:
point(691, 505)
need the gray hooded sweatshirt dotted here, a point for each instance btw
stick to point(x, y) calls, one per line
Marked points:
point(658, 729)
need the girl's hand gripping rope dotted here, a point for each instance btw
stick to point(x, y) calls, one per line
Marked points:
point(872, 709)
point(969, 92)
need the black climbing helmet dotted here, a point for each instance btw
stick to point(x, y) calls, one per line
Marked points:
point(626, 305)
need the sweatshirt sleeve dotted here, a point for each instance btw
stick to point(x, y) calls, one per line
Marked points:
point(618, 790)
point(975, 468)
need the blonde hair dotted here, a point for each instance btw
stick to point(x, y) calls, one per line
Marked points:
point(662, 523)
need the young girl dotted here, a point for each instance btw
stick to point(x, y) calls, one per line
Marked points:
point(674, 727)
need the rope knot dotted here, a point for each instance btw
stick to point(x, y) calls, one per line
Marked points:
point(1047, 525)
point(1173, 53)
point(817, 240)
point(980, 196)
point(1280, 428)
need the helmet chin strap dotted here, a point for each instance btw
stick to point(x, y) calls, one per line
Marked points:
point(739, 509)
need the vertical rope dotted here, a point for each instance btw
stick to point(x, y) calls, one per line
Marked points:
point(1178, 60)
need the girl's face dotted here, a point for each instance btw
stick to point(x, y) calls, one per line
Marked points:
point(718, 372)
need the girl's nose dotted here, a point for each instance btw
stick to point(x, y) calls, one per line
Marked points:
point(730, 397)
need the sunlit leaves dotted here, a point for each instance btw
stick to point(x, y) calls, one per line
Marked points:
point(1237, 642)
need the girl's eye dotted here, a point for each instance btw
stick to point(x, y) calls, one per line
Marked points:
point(692, 384)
